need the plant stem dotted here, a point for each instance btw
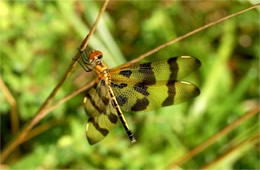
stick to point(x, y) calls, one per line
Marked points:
point(189, 34)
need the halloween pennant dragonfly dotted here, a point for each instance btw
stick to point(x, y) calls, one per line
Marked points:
point(131, 88)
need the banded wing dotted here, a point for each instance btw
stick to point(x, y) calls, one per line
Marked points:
point(145, 97)
point(102, 115)
point(173, 68)
point(151, 85)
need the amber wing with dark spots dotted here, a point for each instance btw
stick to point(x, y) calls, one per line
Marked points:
point(151, 85)
point(102, 115)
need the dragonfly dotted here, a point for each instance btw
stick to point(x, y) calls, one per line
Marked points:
point(142, 86)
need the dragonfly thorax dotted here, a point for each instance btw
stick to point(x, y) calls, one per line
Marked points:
point(101, 70)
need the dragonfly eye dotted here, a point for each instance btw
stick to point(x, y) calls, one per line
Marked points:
point(100, 57)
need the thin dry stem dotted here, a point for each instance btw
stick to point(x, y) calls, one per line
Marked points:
point(63, 100)
point(40, 129)
point(46, 126)
point(189, 34)
point(252, 139)
point(40, 114)
point(86, 40)
point(13, 107)
point(215, 137)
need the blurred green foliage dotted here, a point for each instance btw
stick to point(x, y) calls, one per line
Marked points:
point(39, 38)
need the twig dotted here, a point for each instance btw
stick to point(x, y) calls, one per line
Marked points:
point(63, 100)
point(252, 139)
point(85, 41)
point(40, 129)
point(13, 107)
point(189, 34)
point(46, 126)
point(40, 113)
point(212, 139)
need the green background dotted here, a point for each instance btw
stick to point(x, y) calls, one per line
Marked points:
point(39, 38)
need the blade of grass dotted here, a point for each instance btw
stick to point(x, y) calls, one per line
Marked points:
point(215, 76)
point(236, 95)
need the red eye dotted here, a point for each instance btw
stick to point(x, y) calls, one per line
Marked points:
point(94, 54)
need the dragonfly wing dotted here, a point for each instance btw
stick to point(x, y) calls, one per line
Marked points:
point(173, 68)
point(102, 114)
point(146, 97)
point(151, 85)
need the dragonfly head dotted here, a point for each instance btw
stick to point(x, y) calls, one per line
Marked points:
point(90, 58)
point(95, 57)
